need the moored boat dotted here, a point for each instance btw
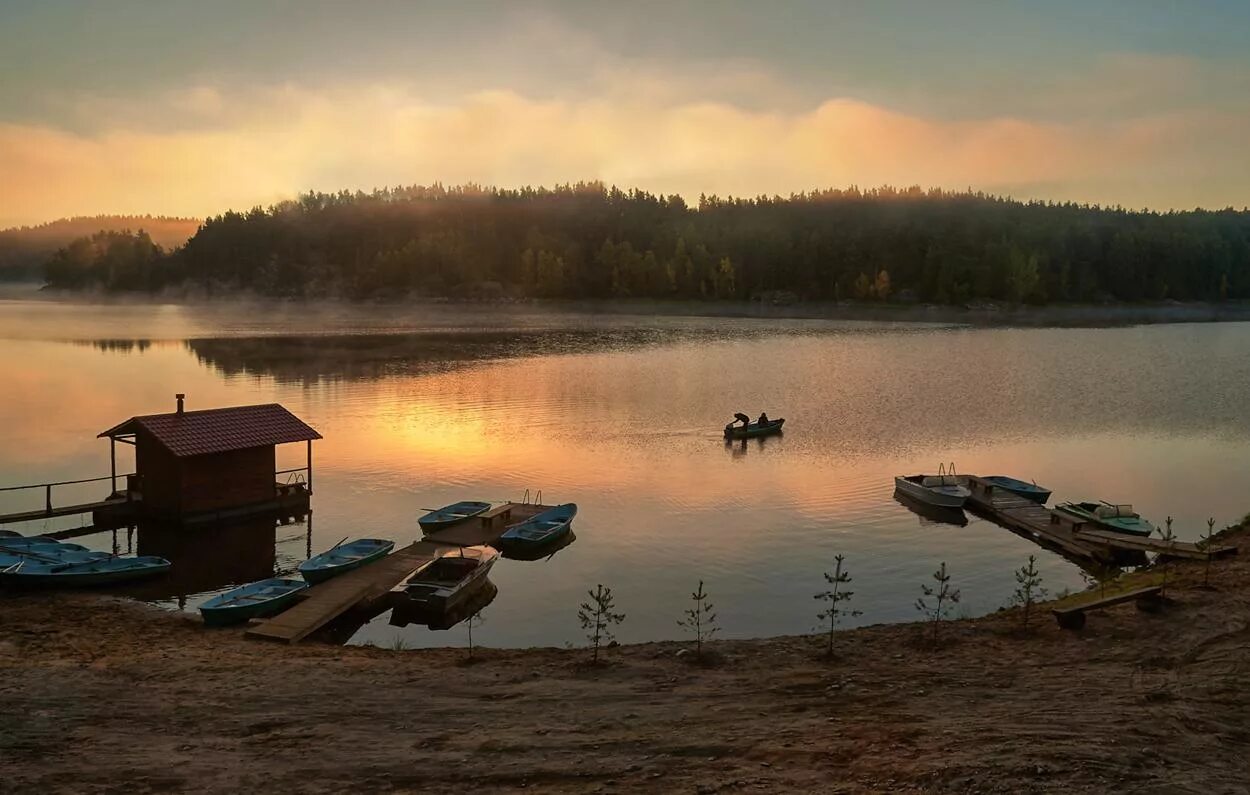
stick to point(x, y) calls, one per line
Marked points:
point(254, 600)
point(754, 429)
point(446, 581)
point(539, 530)
point(944, 489)
point(452, 514)
point(343, 558)
point(1110, 516)
point(94, 571)
point(1030, 491)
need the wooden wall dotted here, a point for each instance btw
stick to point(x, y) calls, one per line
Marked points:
point(173, 487)
point(225, 480)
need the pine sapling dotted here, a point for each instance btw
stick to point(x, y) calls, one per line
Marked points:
point(938, 600)
point(700, 620)
point(1029, 588)
point(1208, 543)
point(834, 612)
point(472, 621)
point(1164, 558)
point(597, 617)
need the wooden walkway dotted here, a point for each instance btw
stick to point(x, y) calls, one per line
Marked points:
point(63, 510)
point(1031, 520)
point(1175, 549)
point(327, 601)
point(1069, 534)
point(363, 587)
point(487, 528)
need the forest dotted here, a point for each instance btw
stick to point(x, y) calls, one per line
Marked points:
point(24, 250)
point(592, 241)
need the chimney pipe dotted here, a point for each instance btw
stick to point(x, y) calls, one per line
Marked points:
point(180, 397)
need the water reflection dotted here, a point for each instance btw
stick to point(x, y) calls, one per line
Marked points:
point(210, 558)
point(932, 514)
point(543, 552)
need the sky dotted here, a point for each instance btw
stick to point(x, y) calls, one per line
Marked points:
point(192, 108)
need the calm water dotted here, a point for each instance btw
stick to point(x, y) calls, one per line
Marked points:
point(622, 415)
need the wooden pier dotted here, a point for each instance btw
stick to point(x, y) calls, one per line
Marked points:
point(327, 601)
point(362, 588)
point(1068, 534)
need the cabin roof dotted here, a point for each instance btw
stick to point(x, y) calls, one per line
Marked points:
point(220, 430)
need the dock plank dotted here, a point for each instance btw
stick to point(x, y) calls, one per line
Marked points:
point(479, 530)
point(328, 600)
point(1174, 549)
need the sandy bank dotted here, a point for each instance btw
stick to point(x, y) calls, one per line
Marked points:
point(102, 695)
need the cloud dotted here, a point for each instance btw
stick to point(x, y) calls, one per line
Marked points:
point(206, 149)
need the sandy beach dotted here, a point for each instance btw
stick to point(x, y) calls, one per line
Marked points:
point(105, 695)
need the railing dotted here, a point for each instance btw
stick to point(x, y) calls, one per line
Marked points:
point(47, 487)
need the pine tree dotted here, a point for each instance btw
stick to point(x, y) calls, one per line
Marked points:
point(597, 617)
point(1208, 543)
point(700, 620)
point(833, 612)
point(938, 600)
point(1165, 561)
point(1029, 588)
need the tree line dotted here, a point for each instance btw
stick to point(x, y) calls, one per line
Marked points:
point(592, 241)
point(26, 250)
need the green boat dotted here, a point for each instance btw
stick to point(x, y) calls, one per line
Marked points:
point(343, 558)
point(264, 598)
point(1110, 516)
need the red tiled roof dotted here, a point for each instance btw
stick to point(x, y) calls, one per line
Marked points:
point(220, 430)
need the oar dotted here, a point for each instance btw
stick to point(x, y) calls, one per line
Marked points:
point(336, 546)
point(27, 553)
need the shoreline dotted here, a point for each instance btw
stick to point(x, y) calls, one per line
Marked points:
point(985, 314)
point(115, 693)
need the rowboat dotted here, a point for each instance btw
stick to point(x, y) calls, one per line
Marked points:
point(344, 558)
point(539, 530)
point(943, 489)
point(263, 598)
point(89, 573)
point(451, 514)
point(754, 429)
point(445, 582)
point(931, 514)
point(1120, 518)
point(1030, 491)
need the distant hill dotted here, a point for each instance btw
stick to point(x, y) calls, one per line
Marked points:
point(24, 249)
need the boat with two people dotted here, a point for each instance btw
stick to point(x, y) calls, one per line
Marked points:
point(254, 600)
point(446, 581)
point(540, 530)
point(452, 514)
point(342, 558)
point(1108, 515)
point(750, 430)
point(1029, 491)
point(945, 489)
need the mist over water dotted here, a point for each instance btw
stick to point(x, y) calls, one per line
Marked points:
point(622, 415)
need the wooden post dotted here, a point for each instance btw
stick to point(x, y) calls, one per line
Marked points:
point(310, 466)
point(48, 496)
point(113, 464)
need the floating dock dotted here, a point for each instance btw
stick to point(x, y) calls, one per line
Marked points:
point(364, 587)
point(1080, 540)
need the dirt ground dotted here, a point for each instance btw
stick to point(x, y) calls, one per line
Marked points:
point(102, 695)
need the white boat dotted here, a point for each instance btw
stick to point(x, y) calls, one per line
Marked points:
point(945, 489)
point(444, 582)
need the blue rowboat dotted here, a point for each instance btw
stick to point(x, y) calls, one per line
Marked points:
point(1030, 491)
point(540, 529)
point(344, 558)
point(451, 514)
point(263, 598)
point(30, 573)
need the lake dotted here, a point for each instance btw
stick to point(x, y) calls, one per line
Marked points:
point(623, 415)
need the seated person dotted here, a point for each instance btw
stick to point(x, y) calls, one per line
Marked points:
point(763, 420)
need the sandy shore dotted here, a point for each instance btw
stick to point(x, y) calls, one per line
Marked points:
point(103, 695)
